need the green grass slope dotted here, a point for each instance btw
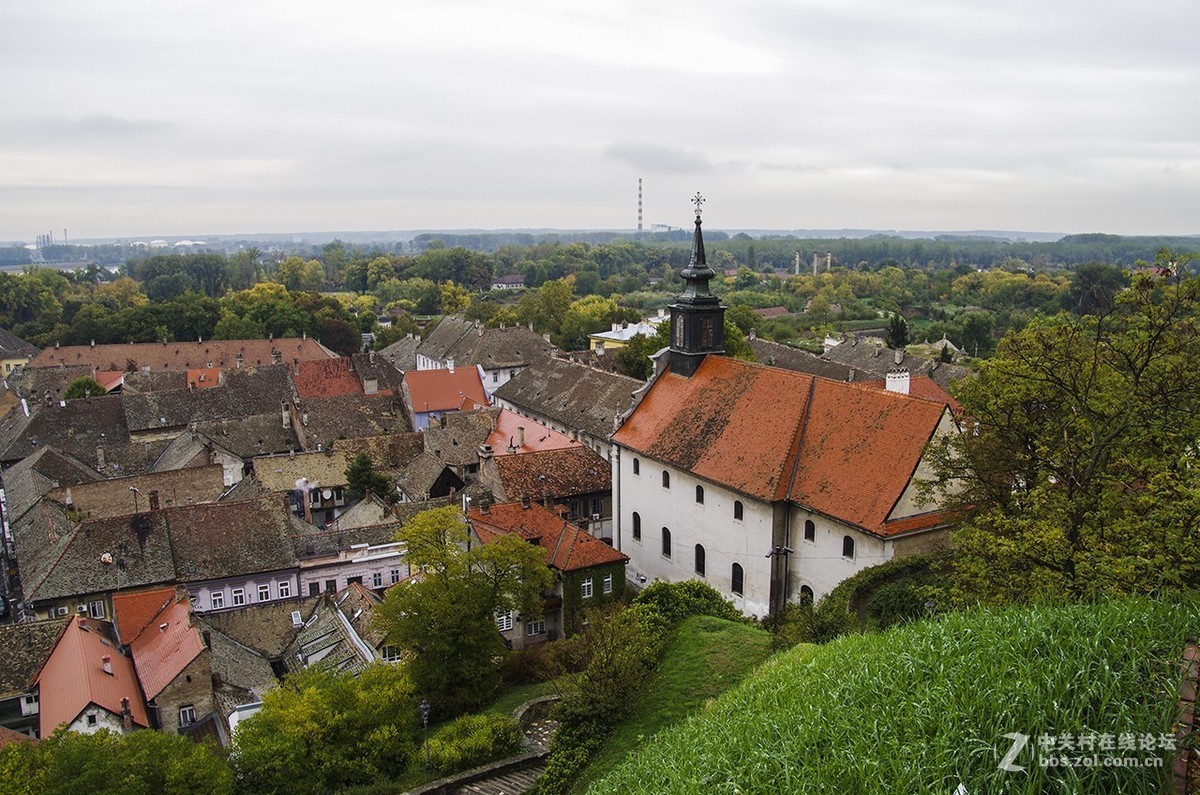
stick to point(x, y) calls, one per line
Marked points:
point(923, 707)
point(707, 657)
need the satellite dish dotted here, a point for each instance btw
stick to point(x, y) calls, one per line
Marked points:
point(106, 558)
point(327, 494)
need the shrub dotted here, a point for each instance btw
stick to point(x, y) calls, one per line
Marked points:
point(473, 740)
point(676, 601)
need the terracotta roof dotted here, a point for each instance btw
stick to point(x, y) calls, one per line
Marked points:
point(923, 386)
point(74, 677)
point(559, 473)
point(326, 378)
point(8, 737)
point(202, 378)
point(443, 390)
point(772, 311)
point(567, 548)
point(24, 649)
point(574, 395)
point(111, 379)
point(133, 611)
point(166, 647)
point(535, 436)
point(221, 354)
point(279, 473)
point(844, 450)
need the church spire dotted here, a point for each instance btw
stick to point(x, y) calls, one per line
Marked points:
point(697, 316)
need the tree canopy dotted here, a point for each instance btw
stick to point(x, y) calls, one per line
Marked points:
point(1078, 464)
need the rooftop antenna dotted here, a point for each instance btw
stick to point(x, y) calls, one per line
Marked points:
point(639, 204)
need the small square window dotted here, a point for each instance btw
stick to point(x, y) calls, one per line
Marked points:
point(187, 715)
point(285, 589)
point(218, 600)
point(586, 588)
point(96, 609)
point(608, 583)
point(504, 621)
point(91, 719)
point(377, 579)
point(239, 596)
point(391, 654)
point(535, 627)
point(264, 593)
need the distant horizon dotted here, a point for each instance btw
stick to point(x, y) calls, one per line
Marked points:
point(380, 235)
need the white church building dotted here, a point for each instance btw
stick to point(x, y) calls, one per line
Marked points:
point(771, 485)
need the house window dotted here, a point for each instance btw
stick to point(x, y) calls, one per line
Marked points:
point(391, 653)
point(96, 609)
point(666, 543)
point(736, 579)
point(585, 588)
point(699, 495)
point(637, 526)
point(218, 600)
point(331, 586)
point(314, 589)
point(377, 579)
point(847, 547)
point(239, 596)
point(29, 704)
point(810, 530)
point(738, 510)
point(700, 559)
point(597, 506)
point(187, 715)
point(91, 719)
point(395, 576)
point(264, 593)
point(535, 627)
point(504, 621)
point(637, 467)
point(285, 589)
point(806, 595)
point(608, 583)
point(666, 479)
point(496, 377)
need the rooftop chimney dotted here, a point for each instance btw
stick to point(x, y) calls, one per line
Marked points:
point(106, 663)
point(450, 365)
point(898, 356)
point(126, 715)
point(524, 500)
point(898, 380)
point(520, 436)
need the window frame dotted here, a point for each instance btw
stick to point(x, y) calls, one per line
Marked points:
point(666, 479)
point(699, 494)
point(848, 547)
point(637, 526)
point(535, 627)
point(700, 560)
point(585, 588)
point(285, 589)
point(666, 542)
point(237, 597)
point(217, 600)
point(504, 620)
point(739, 511)
point(606, 585)
point(810, 530)
point(187, 714)
point(737, 579)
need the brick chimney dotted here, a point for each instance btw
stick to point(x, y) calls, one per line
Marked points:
point(520, 436)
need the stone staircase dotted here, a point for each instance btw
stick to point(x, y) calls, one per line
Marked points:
point(511, 783)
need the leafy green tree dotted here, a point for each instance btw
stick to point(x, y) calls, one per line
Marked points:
point(243, 269)
point(896, 335)
point(361, 476)
point(446, 617)
point(299, 276)
point(1077, 476)
point(589, 315)
point(320, 731)
point(84, 386)
point(104, 763)
point(546, 307)
point(452, 298)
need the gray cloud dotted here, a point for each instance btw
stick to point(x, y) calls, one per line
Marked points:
point(655, 158)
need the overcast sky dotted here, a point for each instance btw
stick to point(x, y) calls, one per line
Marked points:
point(193, 117)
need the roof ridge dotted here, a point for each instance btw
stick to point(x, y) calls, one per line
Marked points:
point(802, 431)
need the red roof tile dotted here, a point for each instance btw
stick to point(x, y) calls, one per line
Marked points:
point(327, 378)
point(444, 390)
point(567, 548)
point(74, 677)
point(203, 377)
point(536, 436)
point(8, 737)
point(134, 610)
point(845, 450)
point(222, 354)
point(166, 647)
point(923, 386)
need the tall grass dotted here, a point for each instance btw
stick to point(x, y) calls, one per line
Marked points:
point(926, 706)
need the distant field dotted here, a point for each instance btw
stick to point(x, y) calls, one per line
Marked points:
point(927, 706)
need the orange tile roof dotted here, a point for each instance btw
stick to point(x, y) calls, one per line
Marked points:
point(134, 610)
point(845, 450)
point(110, 379)
point(923, 386)
point(74, 677)
point(327, 378)
point(222, 354)
point(166, 647)
point(443, 390)
point(537, 436)
point(8, 737)
point(203, 377)
point(567, 548)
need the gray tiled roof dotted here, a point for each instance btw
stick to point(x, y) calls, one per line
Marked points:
point(250, 436)
point(350, 416)
point(24, 648)
point(32, 478)
point(402, 353)
point(241, 393)
point(458, 443)
point(11, 344)
point(868, 358)
point(777, 354)
point(470, 344)
point(573, 395)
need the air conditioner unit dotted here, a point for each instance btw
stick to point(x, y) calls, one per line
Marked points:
point(62, 611)
point(81, 608)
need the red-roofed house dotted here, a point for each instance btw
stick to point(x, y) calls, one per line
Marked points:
point(134, 610)
point(432, 393)
point(326, 378)
point(771, 485)
point(87, 684)
point(588, 571)
point(173, 666)
point(513, 433)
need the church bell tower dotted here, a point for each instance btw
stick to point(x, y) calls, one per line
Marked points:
point(697, 316)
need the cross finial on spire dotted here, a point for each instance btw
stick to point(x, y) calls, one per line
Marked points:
point(697, 200)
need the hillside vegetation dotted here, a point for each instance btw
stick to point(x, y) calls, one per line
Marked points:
point(707, 657)
point(926, 706)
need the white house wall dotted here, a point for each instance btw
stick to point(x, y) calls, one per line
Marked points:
point(712, 525)
point(819, 563)
point(202, 593)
